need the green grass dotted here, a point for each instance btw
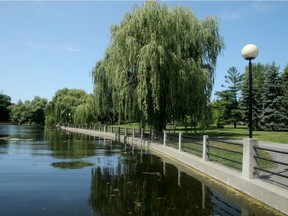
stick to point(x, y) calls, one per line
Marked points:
point(238, 133)
point(242, 132)
point(227, 132)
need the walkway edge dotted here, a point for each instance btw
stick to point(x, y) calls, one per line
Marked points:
point(269, 194)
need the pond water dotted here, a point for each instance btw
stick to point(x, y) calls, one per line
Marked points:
point(50, 172)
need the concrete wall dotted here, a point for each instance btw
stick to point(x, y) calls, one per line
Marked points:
point(269, 194)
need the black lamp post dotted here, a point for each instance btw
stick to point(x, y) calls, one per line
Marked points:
point(250, 52)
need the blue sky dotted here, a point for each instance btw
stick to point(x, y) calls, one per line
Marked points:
point(46, 46)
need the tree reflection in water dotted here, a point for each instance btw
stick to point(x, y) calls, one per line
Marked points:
point(129, 181)
point(134, 188)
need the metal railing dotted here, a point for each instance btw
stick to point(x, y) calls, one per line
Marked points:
point(272, 167)
point(192, 144)
point(225, 152)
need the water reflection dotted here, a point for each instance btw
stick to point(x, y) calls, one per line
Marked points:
point(144, 184)
point(71, 164)
point(66, 145)
point(133, 188)
point(72, 174)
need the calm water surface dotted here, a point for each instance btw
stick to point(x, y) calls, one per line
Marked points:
point(48, 172)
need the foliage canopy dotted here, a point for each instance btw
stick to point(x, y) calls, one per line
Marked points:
point(63, 107)
point(159, 66)
point(5, 102)
point(29, 112)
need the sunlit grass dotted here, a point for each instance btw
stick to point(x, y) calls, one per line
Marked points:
point(242, 132)
point(227, 132)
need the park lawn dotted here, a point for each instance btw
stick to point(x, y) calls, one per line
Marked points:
point(227, 132)
point(239, 133)
point(242, 132)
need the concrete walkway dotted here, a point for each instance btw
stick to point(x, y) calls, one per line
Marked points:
point(270, 194)
point(280, 169)
point(272, 145)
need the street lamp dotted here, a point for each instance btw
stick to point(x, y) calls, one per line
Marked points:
point(69, 119)
point(250, 52)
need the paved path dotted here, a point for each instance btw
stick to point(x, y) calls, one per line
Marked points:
point(281, 169)
point(280, 146)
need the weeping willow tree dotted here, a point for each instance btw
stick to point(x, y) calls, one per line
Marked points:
point(62, 107)
point(85, 113)
point(159, 66)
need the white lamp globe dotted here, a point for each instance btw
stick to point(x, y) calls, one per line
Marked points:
point(250, 51)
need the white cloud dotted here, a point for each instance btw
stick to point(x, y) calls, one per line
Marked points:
point(257, 7)
point(69, 48)
point(36, 46)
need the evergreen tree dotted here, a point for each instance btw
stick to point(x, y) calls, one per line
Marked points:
point(284, 77)
point(273, 115)
point(227, 105)
point(258, 73)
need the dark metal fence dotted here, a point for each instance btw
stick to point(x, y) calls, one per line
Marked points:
point(158, 137)
point(172, 140)
point(272, 165)
point(228, 153)
point(192, 144)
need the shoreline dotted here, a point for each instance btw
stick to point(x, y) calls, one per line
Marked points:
point(269, 194)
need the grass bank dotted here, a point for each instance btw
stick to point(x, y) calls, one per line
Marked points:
point(242, 132)
point(228, 132)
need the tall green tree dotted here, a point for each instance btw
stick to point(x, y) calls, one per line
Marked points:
point(103, 94)
point(62, 106)
point(85, 112)
point(284, 81)
point(19, 113)
point(227, 105)
point(234, 80)
point(5, 102)
point(38, 106)
point(160, 65)
point(274, 115)
point(29, 112)
point(259, 73)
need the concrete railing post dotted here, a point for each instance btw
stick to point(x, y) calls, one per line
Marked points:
point(152, 136)
point(179, 178)
point(133, 133)
point(205, 152)
point(125, 131)
point(249, 161)
point(142, 133)
point(180, 142)
point(105, 128)
point(164, 138)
